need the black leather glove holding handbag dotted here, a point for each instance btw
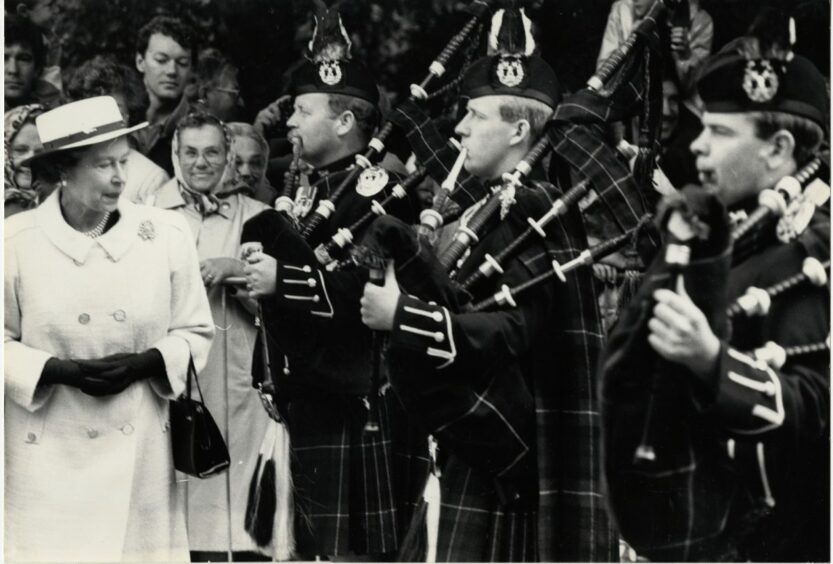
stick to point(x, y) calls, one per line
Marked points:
point(198, 446)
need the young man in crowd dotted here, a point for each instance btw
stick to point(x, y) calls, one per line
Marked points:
point(24, 58)
point(349, 497)
point(41, 13)
point(165, 51)
point(752, 482)
point(508, 392)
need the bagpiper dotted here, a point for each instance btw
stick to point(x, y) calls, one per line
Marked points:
point(507, 393)
point(716, 392)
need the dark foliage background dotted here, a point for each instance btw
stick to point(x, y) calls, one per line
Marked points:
point(397, 38)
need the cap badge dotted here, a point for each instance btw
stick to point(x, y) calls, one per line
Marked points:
point(510, 71)
point(760, 81)
point(372, 181)
point(329, 72)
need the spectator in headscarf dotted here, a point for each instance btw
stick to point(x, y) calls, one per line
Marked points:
point(203, 168)
point(20, 141)
point(103, 76)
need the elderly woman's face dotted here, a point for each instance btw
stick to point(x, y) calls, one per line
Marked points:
point(23, 146)
point(249, 160)
point(202, 157)
point(97, 181)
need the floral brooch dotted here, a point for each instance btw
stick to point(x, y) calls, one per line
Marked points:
point(147, 231)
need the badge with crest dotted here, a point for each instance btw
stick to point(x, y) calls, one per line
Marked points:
point(760, 80)
point(371, 181)
point(510, 71)
point(329, 72)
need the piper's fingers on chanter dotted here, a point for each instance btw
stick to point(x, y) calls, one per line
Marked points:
point(673, 318)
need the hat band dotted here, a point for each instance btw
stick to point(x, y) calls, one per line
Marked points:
point(82, 135)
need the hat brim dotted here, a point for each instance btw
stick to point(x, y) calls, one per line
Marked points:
point(85, 143)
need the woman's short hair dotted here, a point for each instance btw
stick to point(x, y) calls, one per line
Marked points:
point(52, 168)
point(240, 129)
point(169, 26)
point(198, 119)
point(20, 31)
point(808, 134)
point(103, 76)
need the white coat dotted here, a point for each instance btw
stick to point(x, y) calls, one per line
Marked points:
point(87, 478)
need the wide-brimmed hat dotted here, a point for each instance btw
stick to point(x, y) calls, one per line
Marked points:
point(79, 124)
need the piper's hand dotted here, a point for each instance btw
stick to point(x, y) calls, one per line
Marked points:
point(681, 333)
point(680, 44)
point(215, 270)
point(378, 304)
point(261, 273)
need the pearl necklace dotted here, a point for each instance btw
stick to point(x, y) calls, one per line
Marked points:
point(96, 231)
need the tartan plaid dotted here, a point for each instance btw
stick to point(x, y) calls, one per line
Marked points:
point(563, 517)
point(354, 491)
point(434, 152)
point(577, 132)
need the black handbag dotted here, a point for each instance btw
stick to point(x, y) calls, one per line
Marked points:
point(198, 447)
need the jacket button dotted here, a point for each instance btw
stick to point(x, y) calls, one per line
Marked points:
point(84, 318)
point(312, 283)
point(316, 298)
point(127, 429)
point(119, 315)
point(439, 337)
point(437, 316)
point(92, 433)
point(31, 438)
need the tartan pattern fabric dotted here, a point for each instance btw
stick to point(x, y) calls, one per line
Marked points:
point(346, 501)
point(563, 517)
point(351, 497)
point(577, 133)
point(435, 153)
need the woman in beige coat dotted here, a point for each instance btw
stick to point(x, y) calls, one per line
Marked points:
point(215, 206)
point(104, 307)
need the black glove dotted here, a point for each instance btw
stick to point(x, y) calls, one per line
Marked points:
point(106, 376)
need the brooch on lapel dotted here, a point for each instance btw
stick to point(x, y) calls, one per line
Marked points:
point(147, 231)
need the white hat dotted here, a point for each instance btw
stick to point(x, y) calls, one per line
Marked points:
point(81, 123)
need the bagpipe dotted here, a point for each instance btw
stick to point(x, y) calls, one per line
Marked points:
point(571, 134)
point(669, 489)
point(376, 146)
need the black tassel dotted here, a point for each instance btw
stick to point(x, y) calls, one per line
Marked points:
point(264, 519)
point(252, 499)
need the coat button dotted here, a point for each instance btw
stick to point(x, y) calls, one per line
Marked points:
point(84, 318)
point(312, 282)
point(92, 433)
point(31, 438)
point(119, 315)
point(127, 429)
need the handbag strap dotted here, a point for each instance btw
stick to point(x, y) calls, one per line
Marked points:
point(192, 370)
